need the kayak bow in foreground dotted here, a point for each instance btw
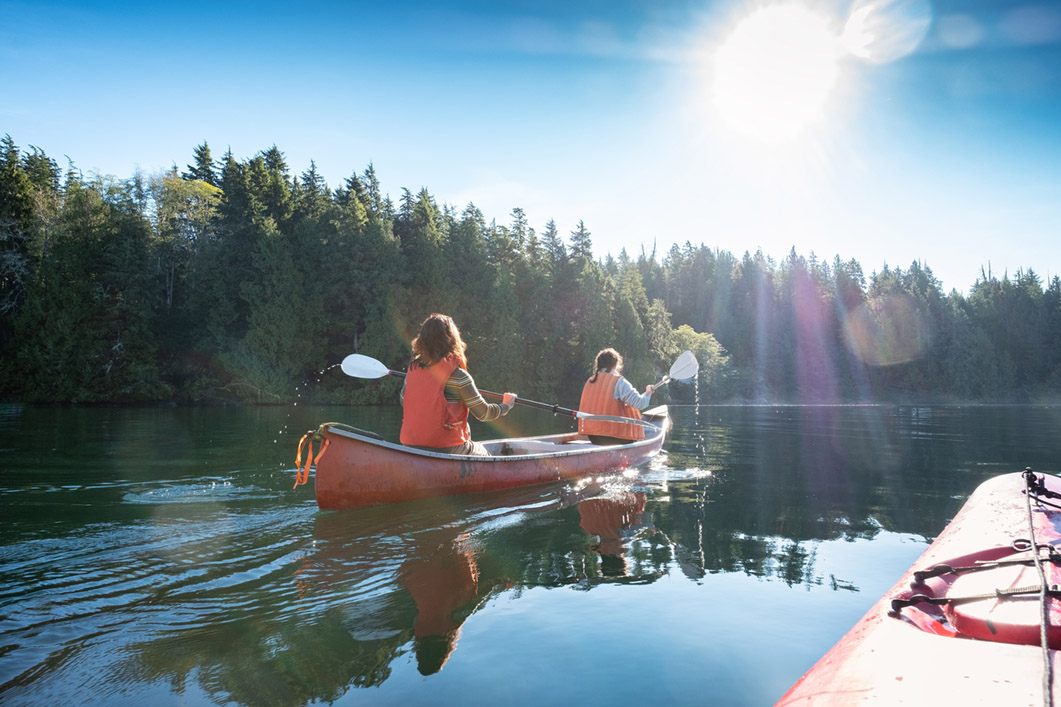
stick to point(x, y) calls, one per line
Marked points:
point(975, 620)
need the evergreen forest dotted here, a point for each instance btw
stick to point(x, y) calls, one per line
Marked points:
point(238, 281)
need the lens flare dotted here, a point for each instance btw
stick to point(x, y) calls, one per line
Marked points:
point(893, 331)
point(882, 31)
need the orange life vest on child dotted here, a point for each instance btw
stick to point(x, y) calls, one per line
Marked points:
point(598, 399)
point(427, 419)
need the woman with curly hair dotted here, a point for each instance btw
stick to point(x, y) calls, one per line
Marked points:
point(439, 393)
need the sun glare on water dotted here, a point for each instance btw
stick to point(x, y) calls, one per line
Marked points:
point(775, 73)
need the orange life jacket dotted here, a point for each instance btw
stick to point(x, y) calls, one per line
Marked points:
point(427, 419)
point(598, 399)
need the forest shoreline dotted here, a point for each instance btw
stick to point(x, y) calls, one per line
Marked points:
point(232, 281)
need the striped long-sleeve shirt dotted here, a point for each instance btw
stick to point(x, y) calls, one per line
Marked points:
point(461, 388)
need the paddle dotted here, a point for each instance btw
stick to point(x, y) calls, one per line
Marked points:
point(360, 366)
point(683, 369)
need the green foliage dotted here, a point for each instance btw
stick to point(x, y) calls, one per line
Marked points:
point(85, 333)
point(236, 282)
point(185, 213)
point(16, 225)
point(709, 353)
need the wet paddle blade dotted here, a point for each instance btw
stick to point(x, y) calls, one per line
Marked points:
point(358, 366)
point(684, 368)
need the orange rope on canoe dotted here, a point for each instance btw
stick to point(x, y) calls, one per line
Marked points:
point(298, 456)
point(321, 452)
point(302, 474)
point(298, 460)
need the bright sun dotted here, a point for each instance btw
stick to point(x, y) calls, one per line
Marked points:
point(775, 72)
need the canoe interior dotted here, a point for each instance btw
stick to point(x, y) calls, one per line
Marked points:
point(538, 446)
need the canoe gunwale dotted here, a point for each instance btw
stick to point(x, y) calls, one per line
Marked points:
point(567, 444)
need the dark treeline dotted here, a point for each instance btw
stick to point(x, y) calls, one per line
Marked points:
point(237, 281)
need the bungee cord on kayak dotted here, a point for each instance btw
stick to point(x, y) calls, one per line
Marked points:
point(1019, 546)
point(1037, 554)
point(1036, 487)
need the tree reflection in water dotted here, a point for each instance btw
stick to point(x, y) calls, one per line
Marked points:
point(371, 588)
point(248, 595)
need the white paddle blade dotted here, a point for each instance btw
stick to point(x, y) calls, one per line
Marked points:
point(358, 366)
point(684, 368)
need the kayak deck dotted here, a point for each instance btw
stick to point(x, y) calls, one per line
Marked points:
point(963, 623)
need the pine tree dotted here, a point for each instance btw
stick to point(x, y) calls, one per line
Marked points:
point(42, 171)
point(16, 222)
point(520, 230)
point(312, 195)
point(274, 161)
point(16, 189)
point(469, 275)
point(502, 250)
point(269, 182)
point(581, 244)
point(555, 252)
point(203, 168)
point(373, 194)
point(417, 228)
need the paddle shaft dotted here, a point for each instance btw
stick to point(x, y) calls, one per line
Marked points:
point(519, 401)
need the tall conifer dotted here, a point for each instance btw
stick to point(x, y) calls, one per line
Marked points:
point(203, 167)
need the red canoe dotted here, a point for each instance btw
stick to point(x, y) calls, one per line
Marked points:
point(356, 468)
point(964, 625)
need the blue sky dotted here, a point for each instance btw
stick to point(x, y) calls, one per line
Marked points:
point(944, 146)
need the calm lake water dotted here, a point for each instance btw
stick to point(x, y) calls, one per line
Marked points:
point(160, 556)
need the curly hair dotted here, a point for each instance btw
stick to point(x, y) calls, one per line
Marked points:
point(439, 338)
